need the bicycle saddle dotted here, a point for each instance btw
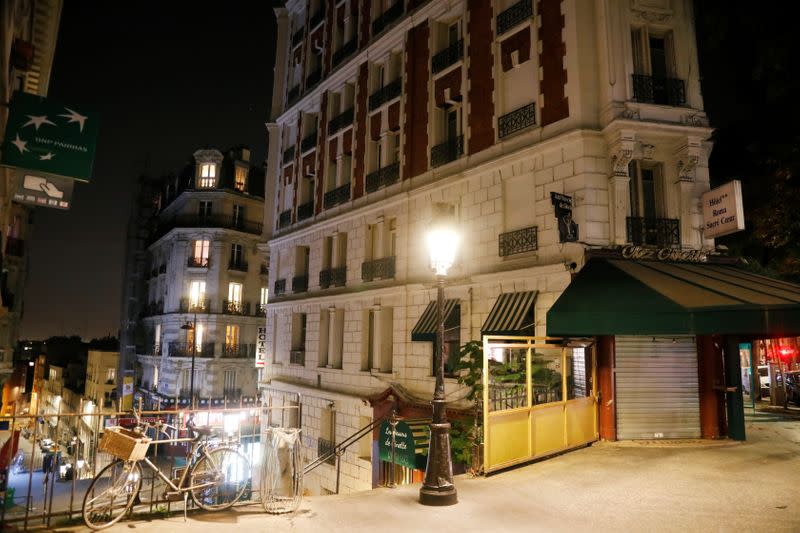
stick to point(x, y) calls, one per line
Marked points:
point(203, 431)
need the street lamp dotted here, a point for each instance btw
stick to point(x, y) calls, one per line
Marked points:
point(437, 487)
point(191, 326)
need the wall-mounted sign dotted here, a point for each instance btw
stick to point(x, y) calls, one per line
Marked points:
point(44, 190)
point(404, 447)
point(44, 136)
point(261, 347)
point(652, 253)
point(723, 210)
point(567, 228)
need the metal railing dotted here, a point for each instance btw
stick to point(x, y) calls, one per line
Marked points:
point(201, 306)
point(293, 95)
point(448, 56)
point(326, 448)
point(448, 151)
point(238, 351)
point(340, 121)
point(517, 120)
point(207, 221)
point(387, 17)
point(297, 38)
point(300, 283)
point(233, 307)
point(665, 232)
point(345, 51)
point(383, 177)
point(280, 287)
point(309, 142)
point(385, 94)
point(197, 262)
point(261, 310)
point(337, 196)
point(297, 357)
point(382, 268)
point(285, 218)
point(332, 277)
point(657, 90)
point(305, 211)
point(187, 349)
point(15, 247)
point(518, 241)
point(288, 155)
point(317, 18)
point(153, 308)
point(240, 265)
point(514, 15)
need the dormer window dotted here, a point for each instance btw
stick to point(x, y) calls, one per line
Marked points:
point(208, 175)
point(240, 178)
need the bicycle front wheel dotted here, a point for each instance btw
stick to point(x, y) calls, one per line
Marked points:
point(219, 478)
point(111, 494)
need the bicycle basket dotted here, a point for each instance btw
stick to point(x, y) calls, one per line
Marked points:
point(124, 443)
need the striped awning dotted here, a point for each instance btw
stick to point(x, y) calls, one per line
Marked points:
point(425, 330)
point(508, 316)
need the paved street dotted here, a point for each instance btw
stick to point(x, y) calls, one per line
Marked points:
point(633, 486)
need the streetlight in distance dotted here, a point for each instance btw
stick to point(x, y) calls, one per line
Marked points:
point(191, 326)
point(437, 487)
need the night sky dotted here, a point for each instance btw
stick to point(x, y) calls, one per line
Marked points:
point(166, 78)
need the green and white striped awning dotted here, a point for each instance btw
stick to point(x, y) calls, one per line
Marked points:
point(425, 330)
point(510, 314)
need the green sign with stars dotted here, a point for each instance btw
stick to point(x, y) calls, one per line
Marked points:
point(45, 136)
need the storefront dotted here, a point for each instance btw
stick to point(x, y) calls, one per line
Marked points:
point(668, 336)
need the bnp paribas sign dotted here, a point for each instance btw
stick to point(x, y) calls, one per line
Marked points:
point(50, 138)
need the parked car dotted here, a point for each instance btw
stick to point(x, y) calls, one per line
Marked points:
point(793, 387)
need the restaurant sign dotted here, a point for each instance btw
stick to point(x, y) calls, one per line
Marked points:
point(404, 447)
point(723, 210)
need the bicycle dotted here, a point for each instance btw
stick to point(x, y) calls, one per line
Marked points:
point(213, 474)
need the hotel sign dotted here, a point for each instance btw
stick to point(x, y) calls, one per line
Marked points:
point(261, 347)
point(723, 210)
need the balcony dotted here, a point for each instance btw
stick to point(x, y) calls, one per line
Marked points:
point(337, 196)
point(383, 177)
point(285, 218)
point(387, 17)
point(517, 120)
point(448, 56)
point(239, 266)
point(300, 284)
point(238, 351)
point(201, 306)
point(340, 121)
point(186, 349)
point(261, 310)
point(205, 221)
point(305, 211)
point(313, 78)
point(15, 247)
point(656, 90)
point(288, 155)
point(197, 262)
point(333, 277)
point(514, 15)
point(447, 151)
point(518, 241)
point(317, 18)
point(308, 143)
point(297, 38)
point(661, 232)
point(153, 308)
point(326, 447)
point(293, 95)
point(385, 94)
point(233, 307)
point(345, 51)
point(297, 357)
point(378, 269)
point(280, 287)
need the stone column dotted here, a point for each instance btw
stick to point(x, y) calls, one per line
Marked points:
point(619, 186)
point(688, 156)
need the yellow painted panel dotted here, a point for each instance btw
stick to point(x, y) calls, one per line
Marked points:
point(507, 438)
point(548, 429)
point(580, 421)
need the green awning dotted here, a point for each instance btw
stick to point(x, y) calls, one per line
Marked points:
point(619, 297)
point(425, 330)
point(509, 313)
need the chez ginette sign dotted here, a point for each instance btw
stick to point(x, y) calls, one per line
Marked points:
point(723, 210)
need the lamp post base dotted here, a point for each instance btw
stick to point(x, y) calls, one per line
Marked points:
point(438, 488)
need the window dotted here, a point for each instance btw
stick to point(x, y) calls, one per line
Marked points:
point(204, 209)
point(331, 337)
point(235, 293)
point(195, 336)
point(381, 239)
point(200, 255)
point(238, 216)
point(231, 336)
point(646, 190)
point(240, 178)
point(579, 373)
point(377, 340)
point(264, 296)
point(229, 383)
point(208, 175)
point(157, 340)
point(111, 375)
point(654, 72)
point(197, 294)
point(184, 382)
point(237, 253)
point(452, 342)
point(298, 347)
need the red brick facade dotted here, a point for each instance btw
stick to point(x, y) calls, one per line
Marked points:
point(322, 137)
point(551, 62)
point(479, 74)
point(520, 42)
point(452, 81)
point(415, 149)
point(360, 149)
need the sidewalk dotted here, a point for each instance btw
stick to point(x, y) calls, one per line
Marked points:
point(656, 486)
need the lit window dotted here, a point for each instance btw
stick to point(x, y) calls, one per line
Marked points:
point(200, 257)
point(197, 293)
point(240, 179)
point(231, 335)
point(208, 175)
point(264, 296)
point(234, 292)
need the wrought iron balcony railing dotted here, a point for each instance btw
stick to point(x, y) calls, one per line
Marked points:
point(326, 448)
point(317, 18)
point(654, 90)
point(198, 262)
point(297, 357)
point(280, 287)
point(206, 221)
point(233, 307)
point(383, 177)
point(239, 266)
point(387, 17)
point(232, 394)
point(238, 351)
point(261, 310)
point(663, 232)
point(345, 51)
point(187, 349)
point(153, 308)
point(293, 95)
point(305, 210)
point(448, 56)
point(518, 241)
point(309, 142)
point(15, 247)
point(449, 150)
point(333, 277)
point(297, 38)
point(285, 218)
point(202, 305)
point(385, 94)
point(514, 15)
point(382, 268)
point(517, 120)
point(288, 155)
point(340, 121)
point(300, 283)
point(337, 196)
point(313, 78)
